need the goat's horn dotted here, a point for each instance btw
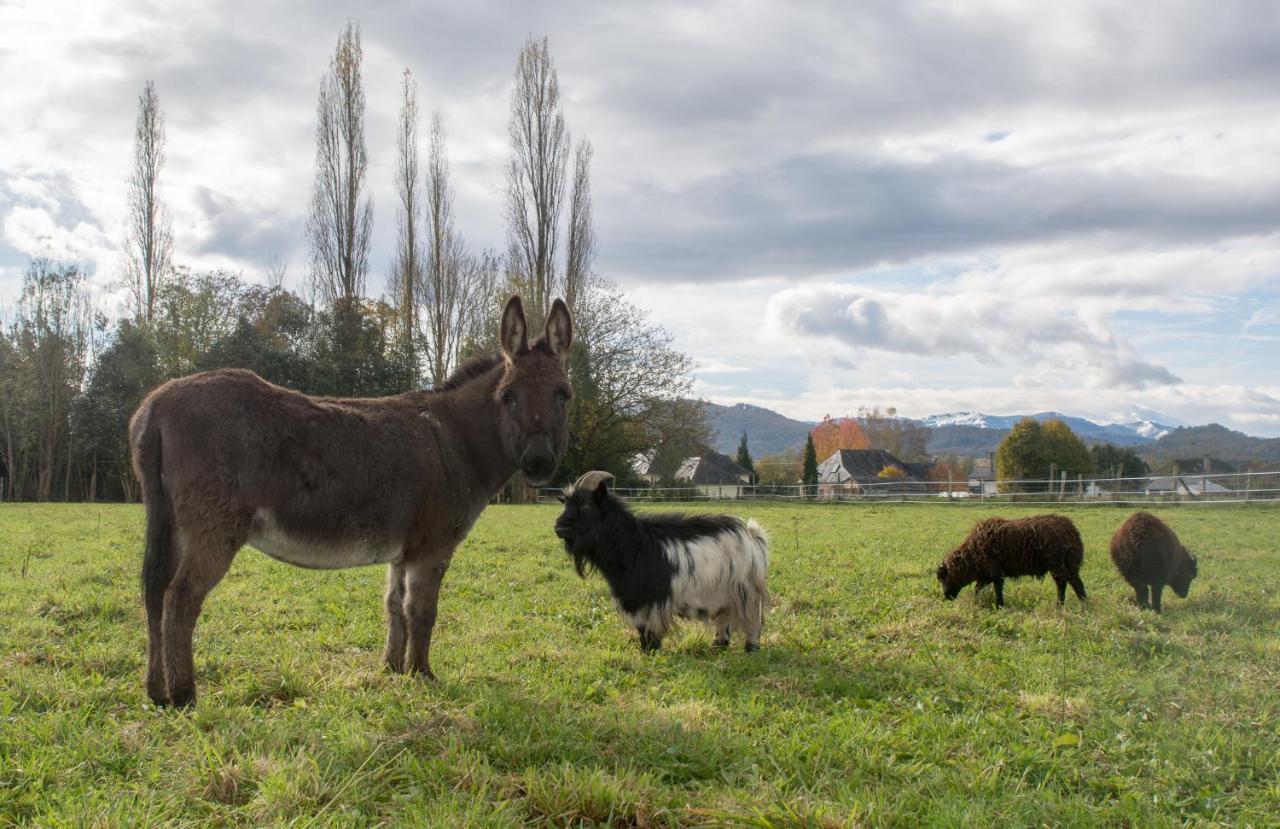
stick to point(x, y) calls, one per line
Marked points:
point(592, 480)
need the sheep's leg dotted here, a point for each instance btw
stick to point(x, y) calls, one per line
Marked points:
point(1156, 589)
point(999, 585)
point(1062, 588)
point(1140, 595)
point(1078, 586)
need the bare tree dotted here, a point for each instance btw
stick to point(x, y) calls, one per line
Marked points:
point(535, 177)
point(580, 250)
point(407, 275)
point(339, 223)
point(149, 246)
point(457, 286)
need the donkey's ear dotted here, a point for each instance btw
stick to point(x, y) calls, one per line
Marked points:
point(559, 332)
point(514, 334)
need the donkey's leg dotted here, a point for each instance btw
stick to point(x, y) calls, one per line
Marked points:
point(422, 591)
point(156, 687)
point(394, 653)
point(205, 559)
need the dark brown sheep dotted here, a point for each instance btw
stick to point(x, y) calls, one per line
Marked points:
point(1001, 548)
point(1148, 555)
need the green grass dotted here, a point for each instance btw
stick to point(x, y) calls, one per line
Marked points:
point(872, 702)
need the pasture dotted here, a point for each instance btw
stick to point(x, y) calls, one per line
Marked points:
point(872, 702)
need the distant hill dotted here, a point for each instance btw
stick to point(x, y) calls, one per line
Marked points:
point(974, 434)
point(767, 431)
point(1215, 441)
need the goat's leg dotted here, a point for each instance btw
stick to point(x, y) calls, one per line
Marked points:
point(422, 592)
point(722, 633)
point(396, 622)
point(650, 640)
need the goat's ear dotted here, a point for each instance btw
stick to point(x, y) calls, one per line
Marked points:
point(559, 330)
point(514, 336)
point(602, 493)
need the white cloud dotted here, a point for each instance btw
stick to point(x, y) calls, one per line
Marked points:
point(947, 325)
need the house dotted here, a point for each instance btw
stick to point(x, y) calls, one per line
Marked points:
point(714, 476)
point(982, 480)
point(1202, 466)
point(642, 465)
point(857, 472)
point(1180, 485)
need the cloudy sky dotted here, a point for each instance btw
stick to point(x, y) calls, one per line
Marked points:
point(993, 206)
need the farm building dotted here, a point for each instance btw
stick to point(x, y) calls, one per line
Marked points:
point(1180, 485)
point(982, 480)
point(714, 475)
point(642, 465)
point(858, 472)
point(1202, 466)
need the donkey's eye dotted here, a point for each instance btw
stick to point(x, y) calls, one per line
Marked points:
point(562, 396)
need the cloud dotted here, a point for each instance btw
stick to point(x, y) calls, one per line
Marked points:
point(946, 326)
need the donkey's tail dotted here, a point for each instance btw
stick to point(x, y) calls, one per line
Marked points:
point(157, 560)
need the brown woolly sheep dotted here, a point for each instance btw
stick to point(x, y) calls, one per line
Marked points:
point(1001, 548)
point(1148, 555)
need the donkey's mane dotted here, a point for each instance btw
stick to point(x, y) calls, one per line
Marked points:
point(470, 370)
point(481, 364)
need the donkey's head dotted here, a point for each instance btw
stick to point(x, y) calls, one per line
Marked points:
point(534, 391)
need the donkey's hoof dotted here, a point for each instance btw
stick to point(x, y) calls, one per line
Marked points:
point(186, 698)
point(751, 647)
point(720, 644)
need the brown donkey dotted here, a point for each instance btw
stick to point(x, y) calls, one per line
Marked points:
point(227, 459)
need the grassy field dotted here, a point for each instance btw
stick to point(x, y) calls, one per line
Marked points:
point(872, 702)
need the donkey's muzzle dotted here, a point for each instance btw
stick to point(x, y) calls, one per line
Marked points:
point(538, 467)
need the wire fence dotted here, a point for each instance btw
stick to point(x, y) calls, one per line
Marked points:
point(1154, 490)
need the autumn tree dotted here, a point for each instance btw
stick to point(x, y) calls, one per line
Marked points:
point(1032, 451)
point(340, 218)
point(457, 291)
point(537, 175)
point(1119, 462)
point(832, 435)
point(149, 242)
point(408, 263)
point(898, 436)
point(952, 473)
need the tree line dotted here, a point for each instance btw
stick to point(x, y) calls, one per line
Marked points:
point(70, 375)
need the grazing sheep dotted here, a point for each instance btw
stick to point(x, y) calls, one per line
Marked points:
point(707, 567)
point(1000, 548)
point(1149, 556)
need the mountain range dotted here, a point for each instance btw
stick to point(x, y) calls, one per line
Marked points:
point(975, 434)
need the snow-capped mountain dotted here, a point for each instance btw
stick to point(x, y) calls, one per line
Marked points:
point(1140, 431)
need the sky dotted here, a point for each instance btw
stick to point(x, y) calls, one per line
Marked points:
point(991, 206)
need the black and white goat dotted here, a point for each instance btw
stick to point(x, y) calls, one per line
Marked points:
point(707, 567)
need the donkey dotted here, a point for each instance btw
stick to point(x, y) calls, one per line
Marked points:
point(227, 459)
